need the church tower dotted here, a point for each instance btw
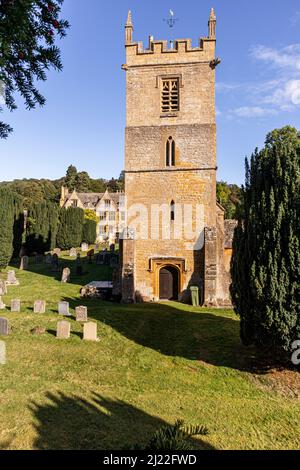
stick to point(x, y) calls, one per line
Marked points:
point(170, 167)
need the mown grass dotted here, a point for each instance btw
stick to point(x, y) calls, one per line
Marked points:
point(154, 363)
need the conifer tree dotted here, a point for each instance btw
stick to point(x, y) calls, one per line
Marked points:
point(28, 29)
point(266, 253)
point(89, 231)
point(42, 226)
point(70, 228)
point(7, 217)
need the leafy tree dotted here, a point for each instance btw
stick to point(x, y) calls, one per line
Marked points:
point(71, 178)
point(230, 197)
point(70, 228)
point(83, 182)
point(90, 214)
point(28, 29)
point(266, 256)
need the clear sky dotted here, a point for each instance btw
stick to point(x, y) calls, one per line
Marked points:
point(258, 84)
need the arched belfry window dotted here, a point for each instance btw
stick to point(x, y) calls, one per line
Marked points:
point(172, 211)
point(170, 152)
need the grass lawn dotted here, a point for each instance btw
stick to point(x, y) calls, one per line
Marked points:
point(155, 363)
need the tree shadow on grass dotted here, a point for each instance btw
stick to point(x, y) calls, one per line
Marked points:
point(95, 423)
point(174, 330)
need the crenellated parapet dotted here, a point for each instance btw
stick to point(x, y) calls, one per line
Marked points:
point(161, 52)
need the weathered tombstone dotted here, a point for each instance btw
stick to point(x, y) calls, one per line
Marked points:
point(63, 330)
point(2, 304)
point(90, 331)
point(55, 263)
point(84, 247)
point(39, 306)
point(78, 265)
point(66, 275)
point(63, 308)
point(81, 314)
point(15, 306)
point(57, 251)
point(73, 253)
point(3, 287)
point(2, 353)
point(48, 258)
point(4, 327)
point(24, 263)
point(11, 279)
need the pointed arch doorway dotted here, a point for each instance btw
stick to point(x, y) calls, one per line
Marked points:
point(168, 283)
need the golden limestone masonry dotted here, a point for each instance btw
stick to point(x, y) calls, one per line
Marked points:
point(176, 236)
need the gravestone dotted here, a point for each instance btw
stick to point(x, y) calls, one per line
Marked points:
point(73, 253)
point(4, 327)
point(57, 251)
point(55, 263)
point(2, 304)
point(78, 265)
point(39, 306)
point(81, 314)
point(11, 279)
point(24, 263)
point(84, 247)
point(2, 353)
point(48, 258)
point(15, 306)
point(66, 275)
point(90, 331)
point(63, 308)
point(63, 330)
point(3, 287)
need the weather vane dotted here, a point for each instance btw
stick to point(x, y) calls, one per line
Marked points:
point(171, 23)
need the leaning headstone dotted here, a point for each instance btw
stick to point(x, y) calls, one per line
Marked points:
point(3, 287)
point(73, 253)
point(11, 279)
point(57, 251)
point(2, 353)
point(81, 314)
point(2, 304)
point(24, 263)
point(48, 258)
point(39, 306)
point(63, 330)
point(90, 331)
point(66, 275)
point(15, 306)
point(63, 308)
point(4, 327)
point(84, 247)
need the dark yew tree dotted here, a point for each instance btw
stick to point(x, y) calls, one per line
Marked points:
point(70, 228)
point(89, 231)
point(42, 226)
point(11, 216)
point(266, 253)
point(28, 29)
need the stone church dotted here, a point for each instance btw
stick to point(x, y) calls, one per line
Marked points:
point(170, 162)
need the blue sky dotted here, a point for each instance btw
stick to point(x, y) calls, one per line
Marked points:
point(258, 84)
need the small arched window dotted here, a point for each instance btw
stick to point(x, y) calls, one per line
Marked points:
point(170, 152)
point(172, 211)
